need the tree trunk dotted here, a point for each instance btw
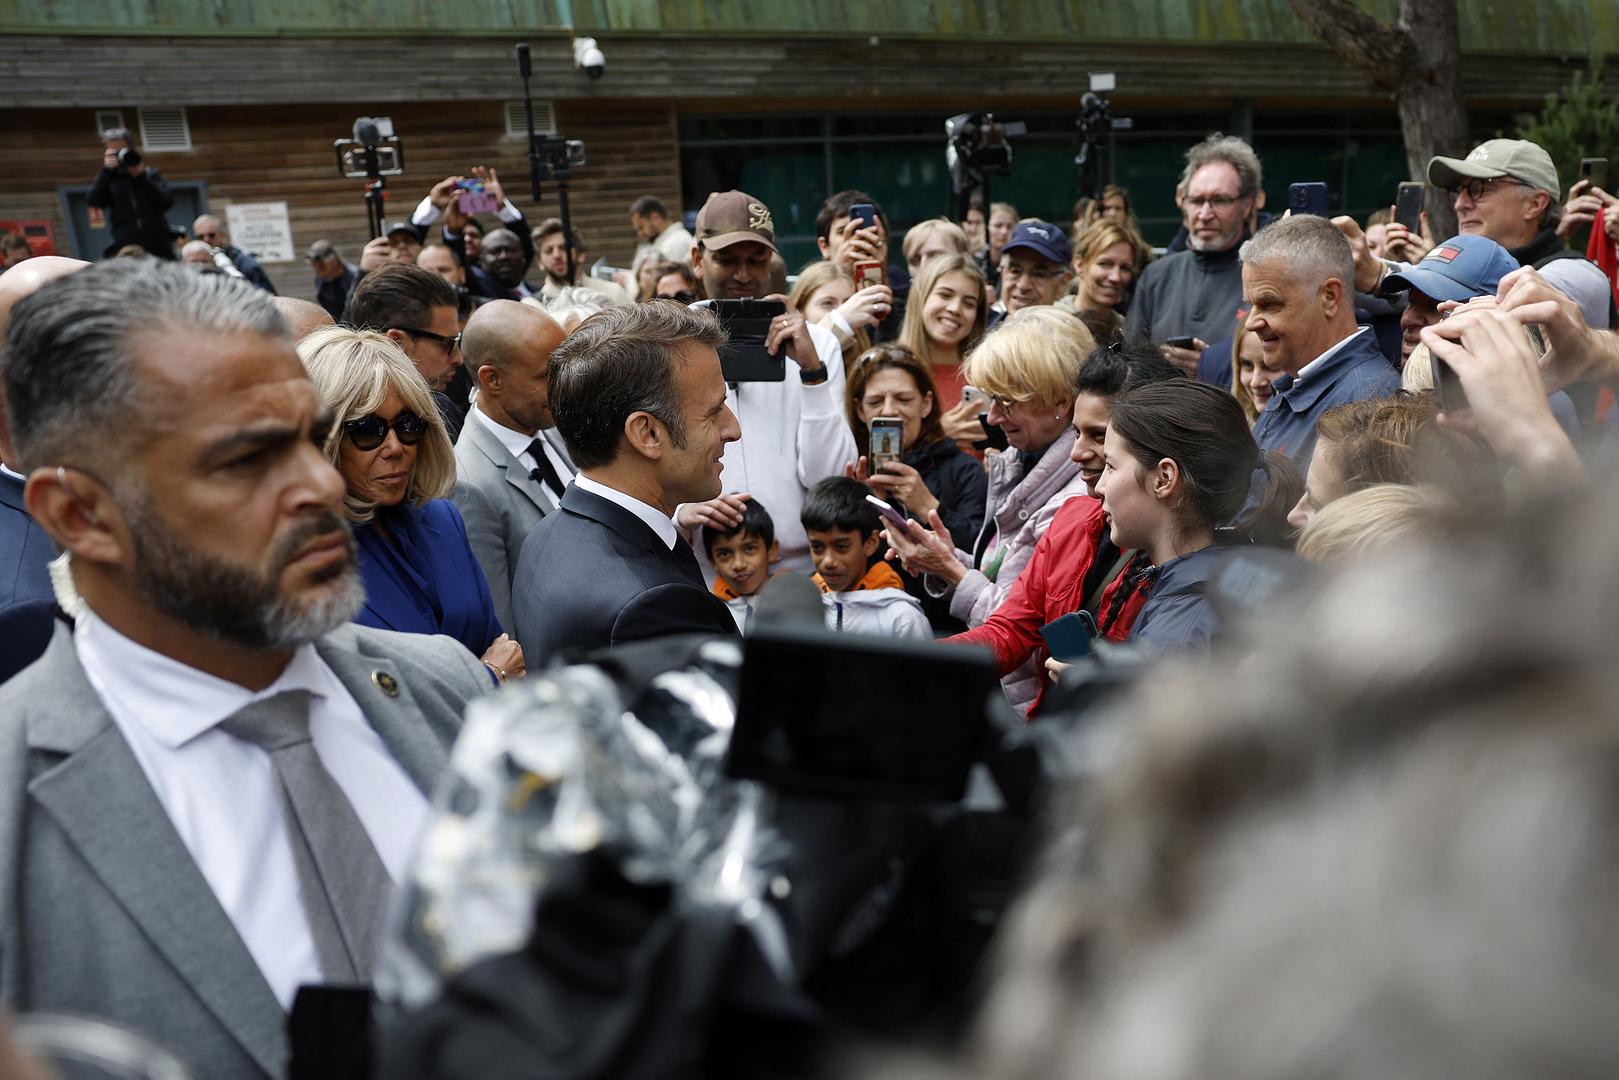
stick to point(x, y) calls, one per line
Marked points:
point(1419, 61)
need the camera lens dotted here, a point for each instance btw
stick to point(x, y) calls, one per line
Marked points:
point(129, 156)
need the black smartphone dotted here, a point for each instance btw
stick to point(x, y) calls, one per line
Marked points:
point(743, 357)
point(1308, 198)
point(1069, 638)
point(865, 213)
point(1595, 169)
point(1447, 387)
point(1408, 205)
point(886, 432)
point(1186, 342)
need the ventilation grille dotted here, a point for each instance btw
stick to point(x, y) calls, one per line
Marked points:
point(545, 119)
point(107, 119)
point(165, 130)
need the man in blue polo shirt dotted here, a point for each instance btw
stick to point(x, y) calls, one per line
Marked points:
point(1298, 278)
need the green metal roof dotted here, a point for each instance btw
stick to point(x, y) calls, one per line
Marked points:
point(1552, 27)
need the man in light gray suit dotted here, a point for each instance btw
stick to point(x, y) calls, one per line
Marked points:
point(510, 462)
point(209, 782)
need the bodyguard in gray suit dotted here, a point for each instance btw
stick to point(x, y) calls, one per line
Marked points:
point(511, 466)
point(209, 783)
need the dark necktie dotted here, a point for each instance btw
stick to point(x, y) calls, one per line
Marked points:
point(688, 561)
point(341, 880)
point(543, 470)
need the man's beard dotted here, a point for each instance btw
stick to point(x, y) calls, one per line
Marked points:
point(232, 603)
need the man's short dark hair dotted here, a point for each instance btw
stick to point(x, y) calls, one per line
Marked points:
point(322, 251)
point(622, 361)
point(552, 226)
point(70, 363)
point(756, 521)
point(399, 295)
point(648, 204)
point(838, 207)
point(839, 503)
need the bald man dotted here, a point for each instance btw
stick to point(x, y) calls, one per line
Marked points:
point(211, 231)
point(511, 464)
point(25, 550)
point(303, 317)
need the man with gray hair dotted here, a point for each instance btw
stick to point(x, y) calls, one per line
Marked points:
point(134, 195)
point(334, 277)
point(211, 231)
point(209, 781)
point(1298, 276)
point(1197, 293)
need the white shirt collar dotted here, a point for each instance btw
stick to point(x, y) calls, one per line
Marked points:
point(193, 701)
point(12, 472)
point(1321, 361)
point(515, 441)
point(656, 519)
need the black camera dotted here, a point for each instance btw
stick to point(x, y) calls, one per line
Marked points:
point(977, 144)
point(128, 157)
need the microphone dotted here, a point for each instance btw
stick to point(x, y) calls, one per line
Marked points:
point(365, 131)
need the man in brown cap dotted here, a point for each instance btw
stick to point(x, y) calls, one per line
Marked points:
point(793, 431)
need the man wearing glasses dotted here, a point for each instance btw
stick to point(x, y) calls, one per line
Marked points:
point(420, 312)
point(1034, 266)
point(1506, 190)
point(1196, 293)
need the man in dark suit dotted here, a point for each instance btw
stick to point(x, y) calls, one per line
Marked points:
point(208, 784)
point(511, 465)
point(638, 396)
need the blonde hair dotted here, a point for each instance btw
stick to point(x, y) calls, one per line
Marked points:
point(924, 231)
point(811, 280)
point(1239, 389)
point(912, 334)
point(1373, 520)
point(1417, 375)
point(353, 371)
point(1103, 234)
point(1034, 355)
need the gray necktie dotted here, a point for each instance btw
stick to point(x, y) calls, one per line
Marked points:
point(341, 880)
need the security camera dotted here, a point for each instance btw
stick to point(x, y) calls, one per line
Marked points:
point(587, 56)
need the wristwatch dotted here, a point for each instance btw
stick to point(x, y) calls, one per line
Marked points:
point(814, 376)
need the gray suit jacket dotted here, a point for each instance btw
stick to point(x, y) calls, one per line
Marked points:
point(500, 505)
point(102, 910)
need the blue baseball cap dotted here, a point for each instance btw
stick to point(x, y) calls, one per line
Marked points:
point(1040, 237)
point(1458, 269)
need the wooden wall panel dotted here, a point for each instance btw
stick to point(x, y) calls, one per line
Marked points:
point(263, 154)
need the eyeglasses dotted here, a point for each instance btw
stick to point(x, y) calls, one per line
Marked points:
point(450, 343)
point(369, 432)
point(1005, 404)
point(1476, 188)
point(1213, 202)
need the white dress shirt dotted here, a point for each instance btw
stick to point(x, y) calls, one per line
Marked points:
point(12, 472)
point(220, 791)
point(656, 519)
point(1321, 361)
point(518, 444)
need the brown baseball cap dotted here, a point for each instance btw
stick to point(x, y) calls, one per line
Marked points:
point(731, 217)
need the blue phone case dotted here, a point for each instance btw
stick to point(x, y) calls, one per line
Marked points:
point(1068, 638)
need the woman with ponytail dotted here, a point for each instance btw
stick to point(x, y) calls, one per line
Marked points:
point(1182, 476)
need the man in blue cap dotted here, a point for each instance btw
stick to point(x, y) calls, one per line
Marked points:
point(1457, 269)
point(1034, 266)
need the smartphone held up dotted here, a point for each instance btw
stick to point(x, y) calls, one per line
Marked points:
point(886, 435)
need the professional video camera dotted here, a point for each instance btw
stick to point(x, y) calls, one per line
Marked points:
point(373, 153)
point(1093, 163)
point(128, 157)
point(975, 149)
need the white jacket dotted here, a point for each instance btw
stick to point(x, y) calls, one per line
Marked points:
point(892, 613)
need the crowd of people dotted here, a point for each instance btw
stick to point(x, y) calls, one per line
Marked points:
point(257, 554)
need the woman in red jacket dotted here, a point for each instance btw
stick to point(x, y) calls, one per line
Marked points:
point(1076, 565)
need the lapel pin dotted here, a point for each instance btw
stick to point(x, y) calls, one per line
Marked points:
point(386, 683)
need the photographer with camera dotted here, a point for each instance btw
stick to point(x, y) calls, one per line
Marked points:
point(134, 195)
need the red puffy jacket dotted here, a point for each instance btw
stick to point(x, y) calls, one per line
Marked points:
point(1049, 588)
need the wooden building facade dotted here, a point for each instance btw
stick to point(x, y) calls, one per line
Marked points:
point(788, 101)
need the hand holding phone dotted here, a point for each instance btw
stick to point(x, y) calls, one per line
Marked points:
point(1408, 205)
point(887, 432)
point(868, 273)
point(1596, 171)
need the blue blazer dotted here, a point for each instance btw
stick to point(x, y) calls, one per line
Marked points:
point(426, 581)
point(1356, 372)
point(594, 575)
point(25, 550)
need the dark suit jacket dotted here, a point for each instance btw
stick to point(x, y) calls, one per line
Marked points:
point(593, 575)
point(25, 550)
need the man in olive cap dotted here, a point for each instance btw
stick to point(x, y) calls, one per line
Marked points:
point(1507, 190)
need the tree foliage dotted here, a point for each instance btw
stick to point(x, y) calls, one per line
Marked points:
point(1580, 122)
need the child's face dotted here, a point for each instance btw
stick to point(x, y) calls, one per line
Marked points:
point(841, 555)
point(743, 561)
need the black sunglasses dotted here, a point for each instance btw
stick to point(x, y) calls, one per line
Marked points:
point(450, 343)
point(369, 432)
